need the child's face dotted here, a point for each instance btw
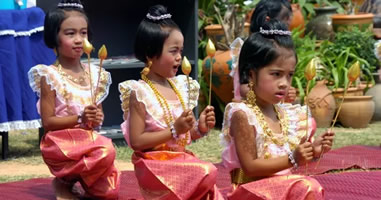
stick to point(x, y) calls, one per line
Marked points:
point(168, 63)
point(72, 32)
point(274, 80)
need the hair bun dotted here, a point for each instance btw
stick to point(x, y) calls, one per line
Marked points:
point(157, 13)
point(76, 4)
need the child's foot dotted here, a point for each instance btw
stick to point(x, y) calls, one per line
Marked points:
point(63, 190)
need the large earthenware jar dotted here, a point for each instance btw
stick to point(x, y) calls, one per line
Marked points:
point(297, 18)
point(321, 25)
point(356, 111)
point(222, 82)
point(341, 22)
point(375, 91)
point(322, 104)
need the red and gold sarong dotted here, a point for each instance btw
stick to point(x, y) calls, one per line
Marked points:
point(84, 156)
point(285, 187)
point(175, 176)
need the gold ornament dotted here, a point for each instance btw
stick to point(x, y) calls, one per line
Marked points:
point(168, 118)
point(269, 137)
point(250, 96)
point(146, 69)
point(186, 67)
point(79, 80)
point(210, 48)
point(354, 72)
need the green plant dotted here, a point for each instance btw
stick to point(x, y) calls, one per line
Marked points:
point(347, 48)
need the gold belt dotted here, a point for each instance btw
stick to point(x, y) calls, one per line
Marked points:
point(239, 177)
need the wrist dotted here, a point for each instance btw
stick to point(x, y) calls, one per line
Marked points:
point(198, 131)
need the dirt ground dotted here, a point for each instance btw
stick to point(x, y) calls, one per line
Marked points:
point(13, 168)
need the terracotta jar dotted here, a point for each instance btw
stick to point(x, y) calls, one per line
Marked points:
point(222, 82)
point(356, 111)
point(297, 18)
point(363, 21)
point(375, 91)
point(322, 104)
point(321, 24)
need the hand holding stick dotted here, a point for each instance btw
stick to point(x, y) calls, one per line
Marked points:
point(87, 48)
point(353, 74)
point(309, 73)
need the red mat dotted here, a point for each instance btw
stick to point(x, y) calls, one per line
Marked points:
point(353, 185)
point(365, 157)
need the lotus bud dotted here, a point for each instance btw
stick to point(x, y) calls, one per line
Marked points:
point(354, 71)
point(186, 66)
point(87, 46)
point(210, 49)
point(102, 53)
point(310, 71)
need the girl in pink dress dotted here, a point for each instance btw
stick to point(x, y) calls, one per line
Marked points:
point(158, 116)
point(264, 11)
point(71, 146)
point(264, 138)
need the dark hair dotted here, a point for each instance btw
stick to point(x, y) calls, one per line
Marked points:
point(272, 9)
point(54, 19)
point(152, 33)
point(261, 49)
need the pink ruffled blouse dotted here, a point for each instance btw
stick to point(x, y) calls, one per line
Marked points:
point(71, 98)
point(154, 116)
point(297, 129)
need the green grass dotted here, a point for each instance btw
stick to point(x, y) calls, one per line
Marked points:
point(4, 179)
point(24, 148)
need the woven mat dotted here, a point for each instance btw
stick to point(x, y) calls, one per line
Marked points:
point(356, 156)
point(351, 185)
point(347, 185)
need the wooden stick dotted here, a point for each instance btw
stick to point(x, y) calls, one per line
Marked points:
point(99, 78)
point(334, 121)
point(210, 82)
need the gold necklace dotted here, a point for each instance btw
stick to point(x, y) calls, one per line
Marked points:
point(168, 118)
point(269, 137)
point(79, 80)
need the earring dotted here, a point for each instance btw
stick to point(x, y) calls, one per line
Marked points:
point(55, 51)
point(146, 69)
point(250, 96)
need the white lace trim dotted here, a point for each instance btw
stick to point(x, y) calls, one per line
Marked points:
point(145, 95)
point(57, 83)
point(20, 125)
point(21, 33)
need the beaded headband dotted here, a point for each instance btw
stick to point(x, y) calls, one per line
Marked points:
point(274, 32)
point(70, 5)
point(157, 18)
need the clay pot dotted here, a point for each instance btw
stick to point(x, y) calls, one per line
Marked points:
point(297, 18)
point(363, 21)
point(222, 82)
point(356, 111)
point(322, 104)
point(375, 92)
point(321, 24)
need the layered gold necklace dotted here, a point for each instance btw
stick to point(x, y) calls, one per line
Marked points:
point(168, 118)
point(79, 80)
point(269, 136)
